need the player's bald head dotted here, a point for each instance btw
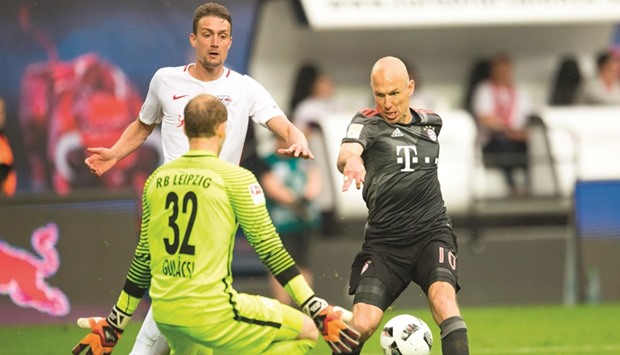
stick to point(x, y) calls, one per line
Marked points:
point(389, 68)
point(391, 89)
point(203, 114)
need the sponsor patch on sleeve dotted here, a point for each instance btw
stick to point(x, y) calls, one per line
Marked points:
point(354, 131)
point(257, 194)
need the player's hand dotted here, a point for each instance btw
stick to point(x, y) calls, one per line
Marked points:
point(102, 338)
point(104, 332)
point(339, 336)
point(297, 150)
point(354, 170)
point(100, 161)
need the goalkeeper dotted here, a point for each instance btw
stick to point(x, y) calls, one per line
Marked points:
point(191, 209)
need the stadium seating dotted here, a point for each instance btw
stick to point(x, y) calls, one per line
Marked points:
point(584, 143)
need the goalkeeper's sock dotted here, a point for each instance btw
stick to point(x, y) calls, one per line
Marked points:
point(454, 336)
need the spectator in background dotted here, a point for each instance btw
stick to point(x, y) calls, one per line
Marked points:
point(8, 178)
point(306, 76)
point(567, 82)
point(481, 70)
point(320, 101)
point(616, 52)
point(604, 88)
point(291, 187)
point(502, 109)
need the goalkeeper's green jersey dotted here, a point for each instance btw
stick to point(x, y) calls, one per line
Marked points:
point(192, 207)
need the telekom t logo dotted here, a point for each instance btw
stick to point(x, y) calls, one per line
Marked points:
point(407, 158)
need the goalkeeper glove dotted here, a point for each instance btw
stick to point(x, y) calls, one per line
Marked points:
point(104, 335)
point(339, 336)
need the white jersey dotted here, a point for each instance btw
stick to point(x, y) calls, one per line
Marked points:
point(488, 99)
point(172, 87)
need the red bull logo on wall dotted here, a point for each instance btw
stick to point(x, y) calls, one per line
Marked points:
point(23, 274)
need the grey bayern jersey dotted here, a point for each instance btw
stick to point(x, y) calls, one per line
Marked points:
point(401, 188)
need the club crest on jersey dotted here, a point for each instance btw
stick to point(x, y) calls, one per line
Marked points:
point(225, 99)
point(431, 134)
point(257, 194)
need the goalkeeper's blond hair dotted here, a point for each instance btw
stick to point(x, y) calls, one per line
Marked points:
point(203, 114)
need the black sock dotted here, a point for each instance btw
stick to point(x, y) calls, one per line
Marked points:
point(454, 337)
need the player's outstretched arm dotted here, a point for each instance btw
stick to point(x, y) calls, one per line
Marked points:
point(351, 165)
point(103, 159)
point(104, 333)
point(330, 320)
point(262, 236)
point(293, 136)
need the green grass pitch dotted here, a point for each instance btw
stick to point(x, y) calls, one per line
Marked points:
point(544, 330)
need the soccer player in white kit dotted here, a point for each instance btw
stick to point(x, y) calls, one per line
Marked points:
point(170, 90)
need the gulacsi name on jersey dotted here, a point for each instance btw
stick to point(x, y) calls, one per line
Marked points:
point(184, 180)
point(178, 268)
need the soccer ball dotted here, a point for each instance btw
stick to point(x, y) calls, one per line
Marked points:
point(406, 335)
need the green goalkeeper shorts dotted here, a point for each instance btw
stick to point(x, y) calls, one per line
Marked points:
point(259, 322)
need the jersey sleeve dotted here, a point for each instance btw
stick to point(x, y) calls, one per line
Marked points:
point(262, 105)
point(139, 274)
point(248, 203)
point(430, 118)
point(361, 130)
point(151, 111)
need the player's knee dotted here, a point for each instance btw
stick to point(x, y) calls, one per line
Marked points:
point(442, 299)
point(366, 320)
point(442, 291)
point(442, 274)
